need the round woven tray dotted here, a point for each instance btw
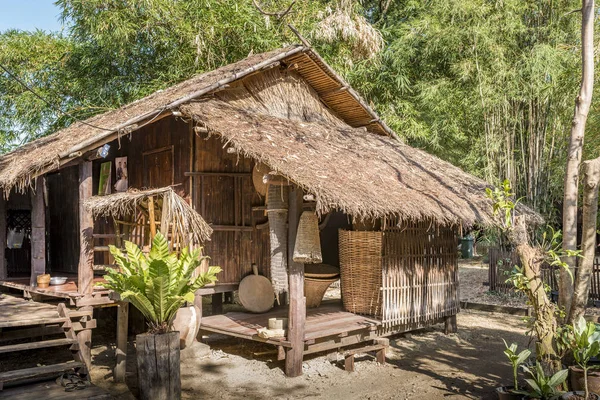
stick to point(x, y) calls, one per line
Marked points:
point(314, 290)
point(320, 271)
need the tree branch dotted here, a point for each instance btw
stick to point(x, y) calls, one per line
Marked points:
point(279, 14)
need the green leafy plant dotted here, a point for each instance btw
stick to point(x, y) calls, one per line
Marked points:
point(515, 359)
point(159, 283)
point(542, 386)
point(585, 345)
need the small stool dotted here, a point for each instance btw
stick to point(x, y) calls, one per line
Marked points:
point(379, 347)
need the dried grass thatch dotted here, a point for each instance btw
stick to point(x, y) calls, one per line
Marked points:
point(174, 209)
point(18, 168)
point(362, 174)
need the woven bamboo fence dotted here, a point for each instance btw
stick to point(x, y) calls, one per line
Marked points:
point(406, 276)
point(501, 264)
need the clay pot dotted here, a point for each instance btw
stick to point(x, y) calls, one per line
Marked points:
point(187, 322)
point(504, 393)
point(577, 383)
point(43, 281)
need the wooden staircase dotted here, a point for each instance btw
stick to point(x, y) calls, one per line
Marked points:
point(32, 333)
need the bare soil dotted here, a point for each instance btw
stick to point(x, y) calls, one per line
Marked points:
point(422, 365)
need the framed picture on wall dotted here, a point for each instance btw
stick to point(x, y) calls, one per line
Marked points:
point(104, 181)
point(122, 175)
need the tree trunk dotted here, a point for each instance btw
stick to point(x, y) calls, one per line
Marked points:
point(544, 324)
point(591, 179)
point(582, 107)
point(158, 366)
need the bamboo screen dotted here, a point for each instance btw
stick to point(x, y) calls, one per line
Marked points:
point(420, 275)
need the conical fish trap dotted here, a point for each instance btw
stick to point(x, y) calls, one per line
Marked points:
point(307, 249)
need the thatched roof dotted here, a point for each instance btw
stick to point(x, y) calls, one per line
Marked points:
point(290, 110)
point(174, 209)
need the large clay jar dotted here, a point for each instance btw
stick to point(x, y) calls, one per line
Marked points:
point(577, 383)
point(187, 322)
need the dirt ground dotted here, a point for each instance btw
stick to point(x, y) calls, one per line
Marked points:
point(423, 365)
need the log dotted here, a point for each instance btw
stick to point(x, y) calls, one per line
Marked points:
point(158, 366)
point(297, 305)
point(38, 232)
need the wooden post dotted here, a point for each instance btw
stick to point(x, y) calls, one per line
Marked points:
point(297, 301)
point(121, 350)
point(450, 324)
point(217, 303)
point(3, 268)
point(38, 231)
point(85, 271)
point(152, 219)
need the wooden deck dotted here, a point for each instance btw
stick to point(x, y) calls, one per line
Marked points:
point(327, 327)
point(67, 291)
point(50, 390)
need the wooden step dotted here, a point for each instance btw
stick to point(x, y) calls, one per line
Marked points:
point(38, 345)
point(29, 373)
point(32, 322)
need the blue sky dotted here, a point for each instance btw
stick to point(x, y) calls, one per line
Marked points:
point(29, 15)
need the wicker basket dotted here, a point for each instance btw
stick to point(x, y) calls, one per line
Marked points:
point(307, 249)
point(314, 290)
point(361, 271)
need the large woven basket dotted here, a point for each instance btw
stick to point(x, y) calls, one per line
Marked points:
point(361, 271)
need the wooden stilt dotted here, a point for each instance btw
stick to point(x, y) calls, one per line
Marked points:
point(3, 268)
point(38, 231)
point(450, 325)
point(217, 303)
point(297, 301)
point(121, 350)
point(85, 271)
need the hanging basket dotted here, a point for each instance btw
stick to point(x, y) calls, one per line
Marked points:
point(307, 249)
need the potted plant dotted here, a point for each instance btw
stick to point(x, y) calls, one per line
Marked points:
point(158, 284)
point(543, 387)
point(585, 345)
point(512, 392)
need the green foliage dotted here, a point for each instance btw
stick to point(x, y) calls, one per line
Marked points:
point(515, 359)
point(159, 283)
point(542, 386)
point(503, 201)
point(585, 344)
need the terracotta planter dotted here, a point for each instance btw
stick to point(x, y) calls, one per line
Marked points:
point(577, 383)
point(158, 366)
point(187, 322)
point(504, 393)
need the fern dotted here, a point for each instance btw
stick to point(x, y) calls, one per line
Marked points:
point(160, 283)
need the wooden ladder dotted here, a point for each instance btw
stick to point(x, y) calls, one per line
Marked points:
point(38, 328)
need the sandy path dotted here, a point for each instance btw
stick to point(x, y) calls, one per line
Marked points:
point(423, 365)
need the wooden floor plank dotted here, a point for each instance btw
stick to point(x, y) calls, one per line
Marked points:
point(37, 345)
point(325, 321)
point(28, 373)
point(50, 390)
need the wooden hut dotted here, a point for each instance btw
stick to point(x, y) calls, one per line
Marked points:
point(390, 214)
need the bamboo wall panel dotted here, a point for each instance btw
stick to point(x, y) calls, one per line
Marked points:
point(501, 264)
point(420, 275)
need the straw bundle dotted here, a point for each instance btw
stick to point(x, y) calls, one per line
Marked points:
point(174, 209)
point(307, 249)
